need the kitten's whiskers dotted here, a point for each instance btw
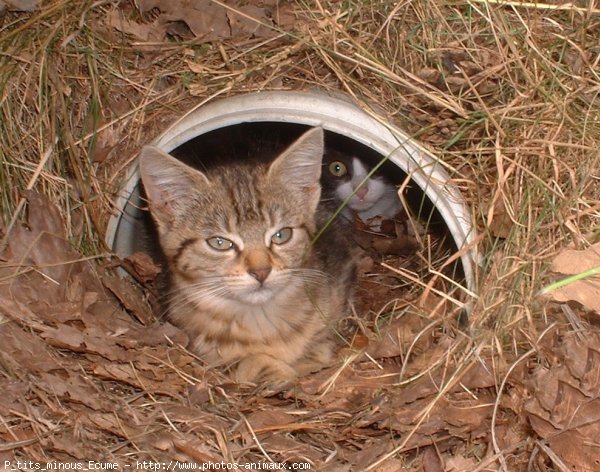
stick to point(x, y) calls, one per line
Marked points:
point(309, 276)
point(196, 293)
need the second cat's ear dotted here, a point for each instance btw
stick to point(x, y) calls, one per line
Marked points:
point(299, 166)
point(167, 182)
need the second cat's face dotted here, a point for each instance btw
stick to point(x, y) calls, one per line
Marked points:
point(343, 176)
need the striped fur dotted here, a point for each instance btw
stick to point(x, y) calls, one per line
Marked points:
point(250, 298)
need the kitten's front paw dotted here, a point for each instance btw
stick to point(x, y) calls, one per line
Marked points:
point(263, 368)
point(319, 357)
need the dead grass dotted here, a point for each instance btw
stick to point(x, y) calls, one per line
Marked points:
point(507, 97)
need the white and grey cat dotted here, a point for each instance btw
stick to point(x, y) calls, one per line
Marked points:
point(247, 281)
point(377, 197)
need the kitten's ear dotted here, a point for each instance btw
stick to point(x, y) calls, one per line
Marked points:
point(168, 183)
point(299, 166)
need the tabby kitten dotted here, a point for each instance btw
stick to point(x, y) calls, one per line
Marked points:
point(377, 197)
point(246, 281)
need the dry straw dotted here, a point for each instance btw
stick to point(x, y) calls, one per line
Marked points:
point(505, 93)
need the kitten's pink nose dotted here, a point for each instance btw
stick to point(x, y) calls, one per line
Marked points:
point(361, 193)
point(259, 273)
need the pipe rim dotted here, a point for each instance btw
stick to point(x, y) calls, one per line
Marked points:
point(337, 115)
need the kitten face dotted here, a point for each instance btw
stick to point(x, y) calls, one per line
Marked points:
point(239, 260)
point(239, 234)
point(350, 178)
point(376, 197)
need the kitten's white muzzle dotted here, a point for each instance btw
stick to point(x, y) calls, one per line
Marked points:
point(257, 296)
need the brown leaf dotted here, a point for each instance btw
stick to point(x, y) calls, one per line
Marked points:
point(152, 32)
point(137, 377)
point(157, 335)
point(163, 441)
point(268, 420)
point(70, 387)
point(196, 450)
point(96, 342)
point(370, 452)
point(577, 450)
point(478, 376)
point(587, 291)
point(399, 335)
point(572, 261)
point(106, 143)
point(129, 295)
point(384, 237)
point(284, 15)
point(352, 386)
point(207, 20)
point(431, 461)
point(250, 21)
point(19, 312)
point(41, 253)
point(143, 266)
point(19, 5)
point(466, 413)
point(290, 449)
point(23, 351)
point(561, 409)
point(110, 422)
point(401, 244)
point(458, 463)
point(61, 312)
point(65, 337)
point(71, 445)
point(12, 392)
point(500, 223)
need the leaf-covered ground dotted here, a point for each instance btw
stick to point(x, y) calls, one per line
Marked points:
point(507, 97)
point(90, 374)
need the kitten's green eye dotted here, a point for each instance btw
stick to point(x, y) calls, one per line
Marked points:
point(219, 243)
point(282, 236)
point(338, 169)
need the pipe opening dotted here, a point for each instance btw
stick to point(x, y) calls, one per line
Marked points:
point(418, 228)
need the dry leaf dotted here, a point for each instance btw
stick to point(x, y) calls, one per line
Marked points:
point(251, 21)
point(268, 420)
point(290, 449)
point(370, 452)
point(501, 223)
point(152, 32)
point(384, 237)
point(23, 351)
point(565, 408)
point(130, 296)
point(41, 253)
point(144, 267)
point(586, 291)
point(400, 334)
point(458, 463)
point(284, 15)
point(207, 20)
point(431, 461)
point(19, 5)
point(571, 261)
